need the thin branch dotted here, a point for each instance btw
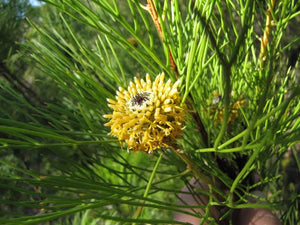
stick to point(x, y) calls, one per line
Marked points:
point(245, 27)
point(226, 76)
point(20, 85)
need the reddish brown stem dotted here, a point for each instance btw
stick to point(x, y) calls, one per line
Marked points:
point(154, 15)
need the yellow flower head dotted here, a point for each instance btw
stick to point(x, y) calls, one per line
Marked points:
point(147, 115)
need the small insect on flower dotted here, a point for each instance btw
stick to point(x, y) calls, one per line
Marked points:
point(147, 115)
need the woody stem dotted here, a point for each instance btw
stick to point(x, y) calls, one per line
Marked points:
point(191, 165)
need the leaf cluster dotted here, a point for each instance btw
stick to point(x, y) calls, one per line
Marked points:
point(242, 100)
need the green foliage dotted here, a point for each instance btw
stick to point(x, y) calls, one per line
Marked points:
point(242, 101)
point(12, 25)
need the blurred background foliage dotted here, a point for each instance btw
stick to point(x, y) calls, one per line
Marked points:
point(62, 59)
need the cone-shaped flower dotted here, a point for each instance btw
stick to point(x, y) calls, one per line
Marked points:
point(147, 115)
